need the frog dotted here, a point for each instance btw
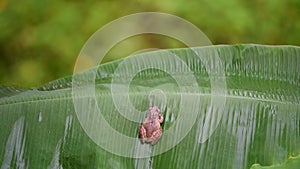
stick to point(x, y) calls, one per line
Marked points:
point(150, 130)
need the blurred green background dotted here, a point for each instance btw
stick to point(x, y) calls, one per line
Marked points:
point(41, 39)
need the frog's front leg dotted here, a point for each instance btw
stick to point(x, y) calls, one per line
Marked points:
point(160, 119)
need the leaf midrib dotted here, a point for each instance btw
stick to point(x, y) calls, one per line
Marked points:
point(68, 96)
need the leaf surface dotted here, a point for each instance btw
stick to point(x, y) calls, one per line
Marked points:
point(259, 122)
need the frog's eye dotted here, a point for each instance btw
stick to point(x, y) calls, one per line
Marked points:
point(159, 113)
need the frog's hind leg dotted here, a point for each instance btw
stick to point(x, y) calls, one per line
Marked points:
point(142, 133)
point(156, 136)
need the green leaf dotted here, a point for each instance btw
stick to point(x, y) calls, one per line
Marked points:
point(224, 107)
point(292, 162)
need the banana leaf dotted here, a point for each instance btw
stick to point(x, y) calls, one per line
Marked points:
point(226, 106)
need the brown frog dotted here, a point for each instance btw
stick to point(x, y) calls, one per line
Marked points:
point(150, 130)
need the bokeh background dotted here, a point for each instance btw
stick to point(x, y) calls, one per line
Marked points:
point(41, 39)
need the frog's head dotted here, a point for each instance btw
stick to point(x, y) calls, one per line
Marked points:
point(154, 113)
